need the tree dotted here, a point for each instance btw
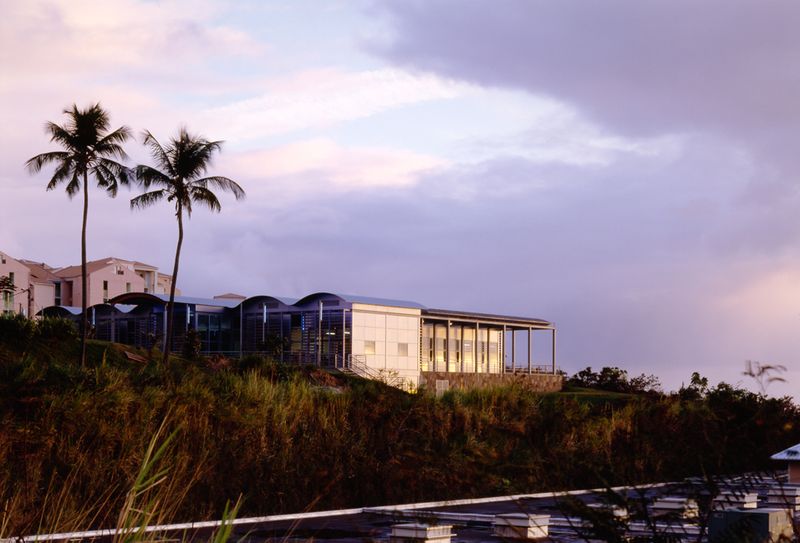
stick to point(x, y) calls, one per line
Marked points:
point(89, 150)
point(178, 179)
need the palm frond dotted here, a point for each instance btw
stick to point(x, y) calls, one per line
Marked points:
point(110, 144)
point(105, 180)
point(36, 163)
point(62, 172)
point(61, 135)
point(74, 185)
point(202, 195)
point(158, 153)
point(147, 199)
point(224, 184)
point(120, 172)
point(149, 176)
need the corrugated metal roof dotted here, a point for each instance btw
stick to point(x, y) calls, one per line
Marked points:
point(358, 299)
point(792, 453)
point(221, 302)
point(471, 315)
point(282, 299)
point(132, 297)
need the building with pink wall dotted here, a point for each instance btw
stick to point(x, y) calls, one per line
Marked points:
point(110, 277)
point(37, 285)
point(14, 300)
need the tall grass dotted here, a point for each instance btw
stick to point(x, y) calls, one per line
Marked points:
point(76, 438)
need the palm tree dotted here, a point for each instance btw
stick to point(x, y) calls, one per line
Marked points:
point(89, 149)
point(178, 179)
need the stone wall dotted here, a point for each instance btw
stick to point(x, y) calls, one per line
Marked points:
point(438, 382)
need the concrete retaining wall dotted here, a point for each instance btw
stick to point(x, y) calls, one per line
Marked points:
point(436, 381)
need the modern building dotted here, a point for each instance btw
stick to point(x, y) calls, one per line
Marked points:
point(397, 341)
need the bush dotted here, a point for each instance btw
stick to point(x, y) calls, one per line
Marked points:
point(16, 331)
point(56, 329)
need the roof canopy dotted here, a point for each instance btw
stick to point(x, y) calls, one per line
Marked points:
point(791, 454)
point(356, 299)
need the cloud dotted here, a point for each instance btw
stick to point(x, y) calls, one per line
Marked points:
point(637, 68)
point(304, 170)
point(320, 98)
point(42, 39)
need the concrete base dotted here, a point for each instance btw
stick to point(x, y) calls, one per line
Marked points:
point(439, 381)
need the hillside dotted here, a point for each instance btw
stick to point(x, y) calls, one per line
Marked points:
point(291, 439)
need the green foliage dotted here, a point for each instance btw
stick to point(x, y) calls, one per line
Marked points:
point(191, 345)
point(292, 438)
point(6, 284)
point(16, 331)
point(614, 379)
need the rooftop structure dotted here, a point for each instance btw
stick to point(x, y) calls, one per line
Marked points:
point(792, 458)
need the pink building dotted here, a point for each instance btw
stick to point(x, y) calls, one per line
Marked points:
point(45, 286)
point(37, 285)
point(110, 277)
point(14, 300)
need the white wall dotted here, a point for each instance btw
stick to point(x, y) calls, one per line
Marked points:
point(388, 328)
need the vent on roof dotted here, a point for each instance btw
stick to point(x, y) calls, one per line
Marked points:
point(420, 533)
point(521, 526)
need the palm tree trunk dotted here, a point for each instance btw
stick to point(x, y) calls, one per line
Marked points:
point(171, 303)
point(84, 316)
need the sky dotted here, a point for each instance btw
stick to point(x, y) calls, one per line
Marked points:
point(627, 170)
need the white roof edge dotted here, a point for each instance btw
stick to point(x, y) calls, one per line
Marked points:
point(792, 453)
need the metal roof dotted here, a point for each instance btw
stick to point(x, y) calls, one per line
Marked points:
point(358, 299)
point(488, 317)
point(282, 299)
point(132, 297)
point(791, 454)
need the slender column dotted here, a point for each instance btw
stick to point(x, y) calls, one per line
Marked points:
point(241, 329)
point(530, 348)
point(475, 347)
point(319, 336)
point(503, 351)
point(461, 347)
point(447, 348)
point(513, 348)
point(554, 351)
point(344, 336)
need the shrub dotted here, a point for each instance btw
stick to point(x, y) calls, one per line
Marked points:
point(16, 331)
point(56, 329)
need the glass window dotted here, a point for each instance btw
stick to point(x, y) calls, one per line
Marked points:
point(494, 351)
point(127, 287)
point(483, 336)
point(455, 348)
point(402, 349)
point(468, 348)
point(369, 347)
point(426, 347)
point(441, 336)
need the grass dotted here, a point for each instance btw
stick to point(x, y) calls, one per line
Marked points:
point(74, 439)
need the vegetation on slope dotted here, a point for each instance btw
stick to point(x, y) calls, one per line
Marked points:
point(72, 438)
